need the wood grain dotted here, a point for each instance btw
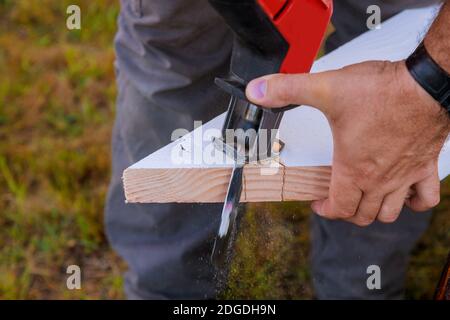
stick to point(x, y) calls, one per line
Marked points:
point(210, 184)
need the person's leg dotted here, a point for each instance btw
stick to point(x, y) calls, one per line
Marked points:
point(168, 53)
point(342, 252)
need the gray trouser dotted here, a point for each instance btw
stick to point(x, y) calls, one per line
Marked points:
point(168, 53)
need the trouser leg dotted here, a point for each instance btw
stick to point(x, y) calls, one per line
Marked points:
point(166, 246)
point(342, 253)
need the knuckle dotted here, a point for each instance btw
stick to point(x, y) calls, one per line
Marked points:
point(363, 173)
point(366, 173)
point(374, 195)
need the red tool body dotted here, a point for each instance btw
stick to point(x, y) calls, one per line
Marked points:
point(271, 36)
point(303, 24)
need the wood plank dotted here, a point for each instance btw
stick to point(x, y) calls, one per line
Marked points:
point(210, 184)
point(305, 170)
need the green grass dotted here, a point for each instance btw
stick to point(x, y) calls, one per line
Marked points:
point(57, 93)
point(57, 96)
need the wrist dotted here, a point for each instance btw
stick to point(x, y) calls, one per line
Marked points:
point(422, 110)
point(426, 108)
point(429, 75)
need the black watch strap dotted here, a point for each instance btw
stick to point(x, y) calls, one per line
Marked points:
point(434, 79)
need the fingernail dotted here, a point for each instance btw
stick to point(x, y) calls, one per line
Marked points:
point(257, 89)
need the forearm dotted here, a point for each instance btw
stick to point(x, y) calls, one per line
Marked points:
point(437, 41)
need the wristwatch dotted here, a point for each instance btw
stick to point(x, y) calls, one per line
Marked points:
point(434, 79)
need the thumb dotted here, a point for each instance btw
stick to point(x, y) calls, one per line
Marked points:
point(280, 90)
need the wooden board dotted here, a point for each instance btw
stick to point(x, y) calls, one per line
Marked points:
point(210, 184)
point(303, 170)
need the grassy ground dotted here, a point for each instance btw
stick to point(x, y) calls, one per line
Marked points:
point(57, 96)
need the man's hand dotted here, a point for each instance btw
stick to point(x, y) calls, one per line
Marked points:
point(387, 134)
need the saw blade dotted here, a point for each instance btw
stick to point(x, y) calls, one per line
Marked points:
point(228, 225)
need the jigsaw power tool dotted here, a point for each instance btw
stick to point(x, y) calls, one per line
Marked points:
point(271, 36)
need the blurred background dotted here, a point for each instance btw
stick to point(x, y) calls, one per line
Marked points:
point(57, 97)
